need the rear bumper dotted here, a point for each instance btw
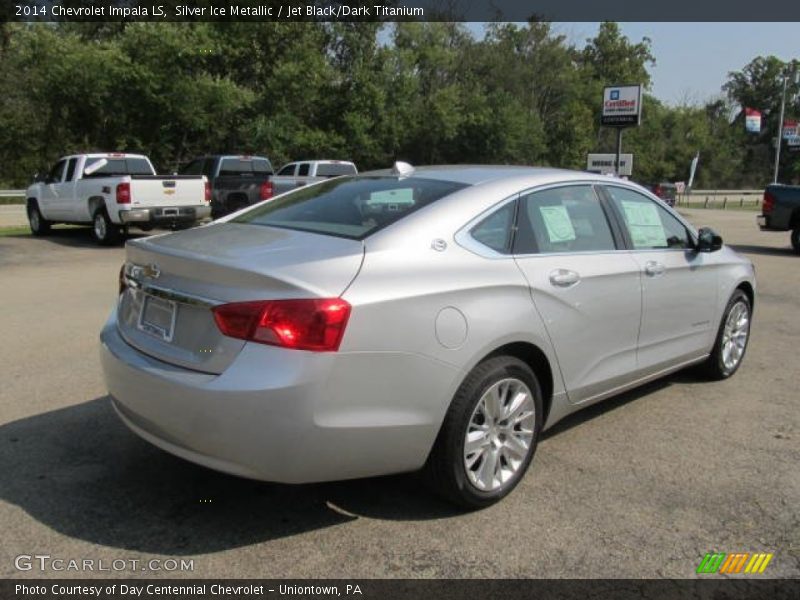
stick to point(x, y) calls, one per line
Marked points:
point(766, 223)
point(164, 215)
point(282, 415)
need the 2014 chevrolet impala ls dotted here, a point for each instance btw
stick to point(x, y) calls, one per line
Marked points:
point(434, 318)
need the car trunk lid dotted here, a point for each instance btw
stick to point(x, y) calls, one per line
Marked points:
point(175, 280)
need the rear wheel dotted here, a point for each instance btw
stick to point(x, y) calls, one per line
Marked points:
point(796, 240)
point(38, 224)
point(104, 231)
point(731, 342)
point(489, 435)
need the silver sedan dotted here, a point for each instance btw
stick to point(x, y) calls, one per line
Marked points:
point(435, 318)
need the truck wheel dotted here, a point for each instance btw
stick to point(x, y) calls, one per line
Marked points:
point(489, 434)
point(732, 337)
point(104, 231)
point(39, 225)
point(796, 240)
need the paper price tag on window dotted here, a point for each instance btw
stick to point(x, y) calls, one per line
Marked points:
point(558, 224)
point(644, 224)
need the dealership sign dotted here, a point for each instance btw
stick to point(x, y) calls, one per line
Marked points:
point(606, 164)
point(752, 120)
point(622, 105)
point(790, 129)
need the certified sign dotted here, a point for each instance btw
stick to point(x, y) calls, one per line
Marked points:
point(622, 105)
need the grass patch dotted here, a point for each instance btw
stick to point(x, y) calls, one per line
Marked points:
point(13, 200)
point(5, 231)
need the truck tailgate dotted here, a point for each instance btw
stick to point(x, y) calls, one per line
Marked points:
point(178, 190)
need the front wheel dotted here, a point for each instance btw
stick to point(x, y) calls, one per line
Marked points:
point(104, 231)
point(796, 240)
point(38, 224)
point(732, 338)
point(489, 434)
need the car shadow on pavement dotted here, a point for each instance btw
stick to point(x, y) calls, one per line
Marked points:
point(79, 471)
point(764, 250)
point(74, 237)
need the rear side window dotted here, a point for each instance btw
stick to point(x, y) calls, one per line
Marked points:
point(303, 170)
point(335, 169)
point(352, 207)
point(244, 167)
point(650, 226)
point(120, 166)
point(495, 230)
point(563, 219)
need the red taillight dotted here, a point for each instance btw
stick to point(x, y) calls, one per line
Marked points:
point(768, 204)
point(307, 324)
point(123, 193)
point(266, 190)
point(208, 191)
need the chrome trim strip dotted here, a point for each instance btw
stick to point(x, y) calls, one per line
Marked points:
point(169, 294)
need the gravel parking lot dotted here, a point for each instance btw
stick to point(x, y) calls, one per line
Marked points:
point(642, 485)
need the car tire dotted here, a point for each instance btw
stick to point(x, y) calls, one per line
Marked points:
point(484, 449)
point(796, 240)
point(104, 231)
point(38, 224)
point(730, 344)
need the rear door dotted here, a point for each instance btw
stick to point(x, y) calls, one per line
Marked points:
point(679, 285)
point(584, 284)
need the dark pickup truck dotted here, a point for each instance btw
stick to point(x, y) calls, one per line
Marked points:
point(780, 211)
point(236, 181)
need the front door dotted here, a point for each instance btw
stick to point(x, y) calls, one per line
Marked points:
point(679, 285)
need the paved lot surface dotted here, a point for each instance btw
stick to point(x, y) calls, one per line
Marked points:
point(639, 486)
point(13, 215)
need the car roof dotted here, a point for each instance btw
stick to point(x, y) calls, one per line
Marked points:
point(477, 174)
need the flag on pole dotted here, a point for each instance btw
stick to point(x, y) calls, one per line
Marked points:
point(693, 169)
point(752, 120)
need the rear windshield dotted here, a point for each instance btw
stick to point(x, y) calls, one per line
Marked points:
point(335, 169)
point(120, 166)
point(244, 167)
point(351, 207)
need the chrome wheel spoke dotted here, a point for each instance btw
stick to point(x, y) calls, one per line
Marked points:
point(735, 334)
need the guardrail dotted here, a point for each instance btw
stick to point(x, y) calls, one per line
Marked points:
point(11, 193)
point(721, 198)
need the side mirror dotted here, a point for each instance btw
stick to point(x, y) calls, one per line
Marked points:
point(708, 240)
point(38, 177)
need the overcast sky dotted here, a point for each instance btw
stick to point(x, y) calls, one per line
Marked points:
point(693, 59)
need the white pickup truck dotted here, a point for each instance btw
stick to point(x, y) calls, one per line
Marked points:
point(303, 172)
point(113, 192)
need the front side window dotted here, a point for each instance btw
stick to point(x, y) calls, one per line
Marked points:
point(351, 207)
point(649, 225)
point(287, 170)
point(495, 230)
point(562, 219)
point(57, 172)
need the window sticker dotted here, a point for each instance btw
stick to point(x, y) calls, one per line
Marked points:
point(644, 224)
point(559, 226)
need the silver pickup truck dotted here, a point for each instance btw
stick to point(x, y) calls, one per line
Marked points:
point(113, 192)
point(303, 172)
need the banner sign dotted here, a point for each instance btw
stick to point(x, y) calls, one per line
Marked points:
point(752, 120)
point(790, 129)
point(622, 105)
point(606, 164)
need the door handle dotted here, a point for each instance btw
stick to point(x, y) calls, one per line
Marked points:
point(654, 268)
point(564, 278)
